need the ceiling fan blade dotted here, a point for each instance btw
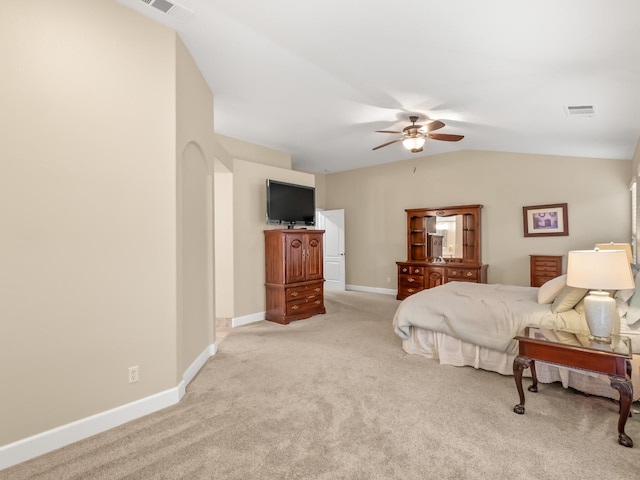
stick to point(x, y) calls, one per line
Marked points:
point(447, 137)
point(387, 131)
point(388, 143)
point(430, 127)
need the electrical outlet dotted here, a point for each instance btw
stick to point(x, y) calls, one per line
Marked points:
point(134, 375)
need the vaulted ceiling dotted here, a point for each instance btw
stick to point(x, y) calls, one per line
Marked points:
point(316, 79)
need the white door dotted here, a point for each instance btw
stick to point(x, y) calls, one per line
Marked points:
point(334, 269)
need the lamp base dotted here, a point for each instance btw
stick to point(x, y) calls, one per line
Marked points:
point(593, 338)
point(602, 316)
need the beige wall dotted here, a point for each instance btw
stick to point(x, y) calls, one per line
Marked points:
point(195, 209)
point(596, 192)
point(87, 192)
point(109, 212)
point(254, 153)
point(249, 206)
point(321, 189)
point(224, 245)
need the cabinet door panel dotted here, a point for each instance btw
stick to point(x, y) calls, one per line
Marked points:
point(435, 277)
point(295, 259)
point(314, 260)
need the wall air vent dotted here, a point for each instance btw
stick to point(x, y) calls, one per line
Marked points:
point(580, 110)
point(172, 9)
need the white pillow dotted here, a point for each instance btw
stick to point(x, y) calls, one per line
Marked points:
point(633, 314)
point(568, 298)
point(625, 295)
point(551, 289)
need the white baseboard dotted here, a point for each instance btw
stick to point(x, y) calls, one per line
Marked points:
point(247, 319)
point(260, 316)
point(45, 442)
point(195, 367)
point(385, 291)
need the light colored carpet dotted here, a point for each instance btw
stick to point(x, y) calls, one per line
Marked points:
point(335, 397)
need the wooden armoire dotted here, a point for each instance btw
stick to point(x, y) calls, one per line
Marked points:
point(294, 274)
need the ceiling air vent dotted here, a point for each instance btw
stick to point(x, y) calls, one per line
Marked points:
point(580, 110)
point(172, 9)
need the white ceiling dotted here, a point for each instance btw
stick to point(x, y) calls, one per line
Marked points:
point(316, 79)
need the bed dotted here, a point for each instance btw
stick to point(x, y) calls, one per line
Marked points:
point(474, 324)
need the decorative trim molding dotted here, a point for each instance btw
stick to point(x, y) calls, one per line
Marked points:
point(45, 442)
point(384, 291)
point(247, 319)
point(195, 367)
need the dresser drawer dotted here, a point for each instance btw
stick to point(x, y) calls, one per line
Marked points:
point(416, 271)
point(410, 270)
point(551, 270)
point(404, 292)
point(541, 279)
point(546, 261)
point(302, 292)
point(545, 265)
point(305, 305)
point(468, 274)
point(544, 268)
point(409, 284)
point(410, 281)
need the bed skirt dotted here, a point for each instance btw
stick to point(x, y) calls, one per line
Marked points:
point(452, 351)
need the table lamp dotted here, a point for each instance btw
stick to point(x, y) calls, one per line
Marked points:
point(599, 270)
point(617, 246)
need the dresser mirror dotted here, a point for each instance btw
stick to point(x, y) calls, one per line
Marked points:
point(451, 230)
point(445, 234)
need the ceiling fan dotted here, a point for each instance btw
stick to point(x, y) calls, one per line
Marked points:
point(414, 135)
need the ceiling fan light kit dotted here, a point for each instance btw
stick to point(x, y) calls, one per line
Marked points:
point(414, 136)
point(414, 144)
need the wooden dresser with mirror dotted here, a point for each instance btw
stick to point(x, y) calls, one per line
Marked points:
point(443, 245)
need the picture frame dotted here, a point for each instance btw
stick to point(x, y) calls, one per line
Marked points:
point(546, 220)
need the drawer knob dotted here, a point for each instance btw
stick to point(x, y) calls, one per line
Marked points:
point(410, 290)
point(295, 307)
point(404, 270)
point(454, 273)
point(469, 274)
point(316, 290)
point(410, 280)
point(294, 294)
point(317, 302)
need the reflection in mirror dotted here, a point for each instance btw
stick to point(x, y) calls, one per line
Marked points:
point(451, 230)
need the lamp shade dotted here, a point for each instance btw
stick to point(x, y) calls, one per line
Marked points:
point(599, 270)
point(617, 246)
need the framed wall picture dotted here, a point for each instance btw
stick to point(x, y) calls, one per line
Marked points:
point(546, 220)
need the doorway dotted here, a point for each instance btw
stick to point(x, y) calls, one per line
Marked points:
point(332, 222)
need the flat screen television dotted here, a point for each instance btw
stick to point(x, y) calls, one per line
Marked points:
point(290, 204)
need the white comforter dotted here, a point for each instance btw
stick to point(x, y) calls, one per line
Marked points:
point(489, 315)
